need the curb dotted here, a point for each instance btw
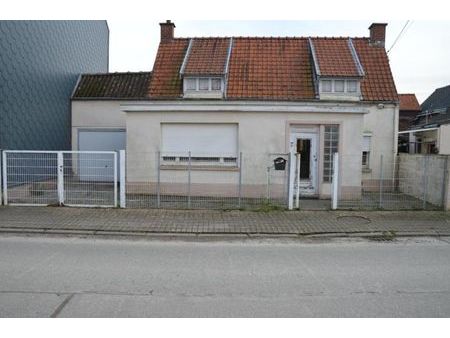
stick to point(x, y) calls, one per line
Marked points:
point(222, 235)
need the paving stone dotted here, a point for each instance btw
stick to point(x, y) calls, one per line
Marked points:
point(211, 221)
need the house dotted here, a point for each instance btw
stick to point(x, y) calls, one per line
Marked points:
point(430, 129)
point(40, 63)
point(235, 104)
point(409, 108)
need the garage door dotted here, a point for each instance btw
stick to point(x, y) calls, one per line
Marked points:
point(99, 140)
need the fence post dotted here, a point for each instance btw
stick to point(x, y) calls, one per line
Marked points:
point(1, 177)
point(446, 184)
point(268, 185)
point(335, 181)
point(115, 178)
point(60, 181)
point(189, 182)
point(240, 180)
point(381, 182)
point(425, 181)
point(291, 179)
point(158, 192)
point(297, 193)
point(122, 159)
point(5, 179)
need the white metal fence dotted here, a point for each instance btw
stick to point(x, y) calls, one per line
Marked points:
point(186, 180)
point(404, 182)
point(207, 181)
point(60, 178)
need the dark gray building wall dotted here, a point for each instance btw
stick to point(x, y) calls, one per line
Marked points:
point(40, 62)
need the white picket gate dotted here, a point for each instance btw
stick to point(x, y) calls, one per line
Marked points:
point(73, 178)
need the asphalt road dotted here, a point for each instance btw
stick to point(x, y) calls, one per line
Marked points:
point(76, 277)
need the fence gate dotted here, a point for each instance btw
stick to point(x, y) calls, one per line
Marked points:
point(74, 178)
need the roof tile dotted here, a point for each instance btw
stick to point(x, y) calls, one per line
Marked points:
point(272, 68)
point(113, 86)
point(166, 80)
point(207, 56)
point(409, 102)
point(335, 57)
point(378, 82)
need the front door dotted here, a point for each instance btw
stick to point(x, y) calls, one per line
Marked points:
point(305, 146)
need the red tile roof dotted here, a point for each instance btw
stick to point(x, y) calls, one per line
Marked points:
point(409, 102)
point(272, 68)
point(207, 56)
point(378, 82)
point(166, 81)
point(334, 57)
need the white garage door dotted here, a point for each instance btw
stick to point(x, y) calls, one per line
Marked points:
point(105, 140)
point(218, 139)
point(99, 140)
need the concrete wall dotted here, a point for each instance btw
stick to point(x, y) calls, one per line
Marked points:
point(444, 139)
point(424, 177)
point(40, 62)
point(95, 115)
point(383, 125)
point(262, 137)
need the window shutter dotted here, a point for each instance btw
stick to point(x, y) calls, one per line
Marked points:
point(219, 139)
point(367, 140)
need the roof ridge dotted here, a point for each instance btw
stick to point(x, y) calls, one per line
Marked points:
point(273, 37)
point(115, 73)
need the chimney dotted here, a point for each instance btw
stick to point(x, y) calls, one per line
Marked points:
point(167, 31)
point(378, 34)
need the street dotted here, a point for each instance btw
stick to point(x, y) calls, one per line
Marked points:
point(96, 277)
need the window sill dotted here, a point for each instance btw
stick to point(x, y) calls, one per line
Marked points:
point(214, 94)
point(199, 167)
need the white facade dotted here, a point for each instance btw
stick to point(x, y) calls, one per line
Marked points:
point(253, 129)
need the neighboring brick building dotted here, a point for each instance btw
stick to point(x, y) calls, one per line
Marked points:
point(409, 108)
point(40, 63)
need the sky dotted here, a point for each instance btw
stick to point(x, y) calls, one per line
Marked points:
point(420, 59)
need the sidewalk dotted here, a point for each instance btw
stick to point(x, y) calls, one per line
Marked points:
point(151, 221)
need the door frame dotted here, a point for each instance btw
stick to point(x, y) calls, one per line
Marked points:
point(313, 135)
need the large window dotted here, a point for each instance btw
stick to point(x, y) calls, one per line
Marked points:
point(215, 143)
point(331, 143)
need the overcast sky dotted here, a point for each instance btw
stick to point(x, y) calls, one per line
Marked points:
point(420, 60)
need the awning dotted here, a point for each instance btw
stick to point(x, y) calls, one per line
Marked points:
point(417, 130)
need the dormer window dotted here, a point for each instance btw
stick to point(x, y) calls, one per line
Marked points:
point(339, 86)
point(203, 87)
point(326, 86)
point(216, 84)
point(190, 84)
point(352, 86)
point(203, 84)
point(337, 71)
point(339, 89)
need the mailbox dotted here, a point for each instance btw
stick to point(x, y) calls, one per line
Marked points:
point(279, 163)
